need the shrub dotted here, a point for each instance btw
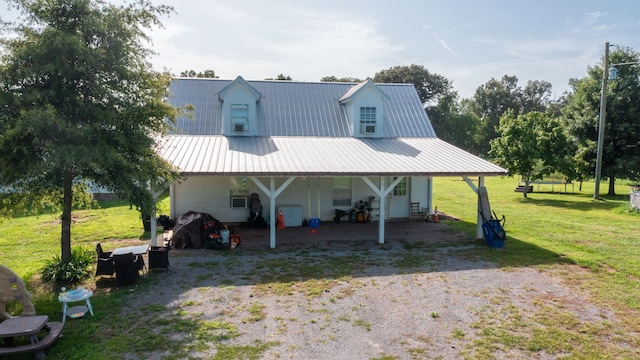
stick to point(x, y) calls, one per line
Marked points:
point(69, 273)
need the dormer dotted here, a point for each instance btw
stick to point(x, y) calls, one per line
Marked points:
point(364, 104)
point(239, 103)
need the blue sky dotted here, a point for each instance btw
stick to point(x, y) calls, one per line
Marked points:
point(468, 41)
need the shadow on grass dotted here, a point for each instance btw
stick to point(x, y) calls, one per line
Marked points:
point(581, 202)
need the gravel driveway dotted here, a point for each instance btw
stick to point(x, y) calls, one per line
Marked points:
point(406, 299)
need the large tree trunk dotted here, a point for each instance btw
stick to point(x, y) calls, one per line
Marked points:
point(67, 203)
point(526, 188)
point(612, 186)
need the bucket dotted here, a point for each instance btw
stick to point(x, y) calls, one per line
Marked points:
point(225, 236)
point(314, 222)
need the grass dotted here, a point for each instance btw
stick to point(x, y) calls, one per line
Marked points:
point(590, 244)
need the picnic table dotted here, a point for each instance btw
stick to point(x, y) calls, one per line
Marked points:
point(28, 326)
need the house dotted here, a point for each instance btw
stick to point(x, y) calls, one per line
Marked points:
point(307, 148)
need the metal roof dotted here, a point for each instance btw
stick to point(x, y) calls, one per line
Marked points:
point(291, 108)
point(311, 156)
point(304, 131)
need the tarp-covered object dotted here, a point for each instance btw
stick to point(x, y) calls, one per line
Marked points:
point(189, 229)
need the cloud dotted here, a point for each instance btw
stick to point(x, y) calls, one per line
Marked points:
point(267, 41)
point(594, 15)
point(446, 46)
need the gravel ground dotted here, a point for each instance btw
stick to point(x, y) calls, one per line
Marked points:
point(352, 300)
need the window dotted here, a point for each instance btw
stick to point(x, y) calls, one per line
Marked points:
point(368, 120)
point(341, 191)
point(239, 191)
point(239, 117)
point(401, 188)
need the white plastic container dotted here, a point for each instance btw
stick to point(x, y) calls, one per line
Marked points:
point(225, 236)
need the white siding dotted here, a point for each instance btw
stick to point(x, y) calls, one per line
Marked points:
point(418, 191)
point(210, 194)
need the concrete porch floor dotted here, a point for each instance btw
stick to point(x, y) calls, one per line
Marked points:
point(329, 232)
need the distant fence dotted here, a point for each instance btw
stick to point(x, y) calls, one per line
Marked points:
point(544, 185)
point(634, 198)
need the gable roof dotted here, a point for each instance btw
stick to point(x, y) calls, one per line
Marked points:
point(291, 108)
point(303, 130)
point(239, 81)
point(366, 84)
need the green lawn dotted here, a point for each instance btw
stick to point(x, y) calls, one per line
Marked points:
point(549, 231)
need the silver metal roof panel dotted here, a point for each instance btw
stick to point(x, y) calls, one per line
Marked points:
point(285, 156)
point(290, 108)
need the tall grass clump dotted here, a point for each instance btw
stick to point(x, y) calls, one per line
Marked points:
point(60, 272)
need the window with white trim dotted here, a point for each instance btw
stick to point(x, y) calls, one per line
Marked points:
point(341, 191)
point(239, 191)
point(239, 117)
point(401, 188)
point(367, 119)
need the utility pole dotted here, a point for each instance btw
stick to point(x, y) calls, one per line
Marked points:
point(603, 117)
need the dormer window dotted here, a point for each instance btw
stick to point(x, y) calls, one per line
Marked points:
point(364, 107)
point(367, 120)
point(240, 108)
point(239, 117)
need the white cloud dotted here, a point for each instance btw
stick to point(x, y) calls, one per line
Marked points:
point(292, 41)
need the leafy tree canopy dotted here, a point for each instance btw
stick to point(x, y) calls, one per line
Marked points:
point(494, 98)
point(532, 145)
point(281, 77)
point(430, 86)
point(621, 158)
point(343, 79)
point(202, 74)
point(80, 102)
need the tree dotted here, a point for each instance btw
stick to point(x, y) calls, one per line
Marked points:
point(454, 124)
point(536, 96)
point(620, 156)
point(281, 77)
point(490, 102)
point(531, 145)
point(80, 103)
point(343, 79)
point(202, 74)
point(430, 86)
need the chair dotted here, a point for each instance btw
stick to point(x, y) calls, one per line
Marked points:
point(127, 267)
point(159, 257)
point(416, 213)
point(27, 323)
point(105, 265)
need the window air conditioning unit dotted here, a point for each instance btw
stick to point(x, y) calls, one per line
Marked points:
point(369, 129)
point(239, 127)
point(239, 202)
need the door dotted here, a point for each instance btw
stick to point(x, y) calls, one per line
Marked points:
point(398, 200)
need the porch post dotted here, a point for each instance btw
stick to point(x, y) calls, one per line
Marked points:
point(155, 194)
point(383, 206)
point(382, 193)
point(479, 234)
point(273, 194)
point(272, 213)
point(429, 194)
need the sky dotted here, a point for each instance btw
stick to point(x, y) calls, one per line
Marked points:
point(467, 41)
